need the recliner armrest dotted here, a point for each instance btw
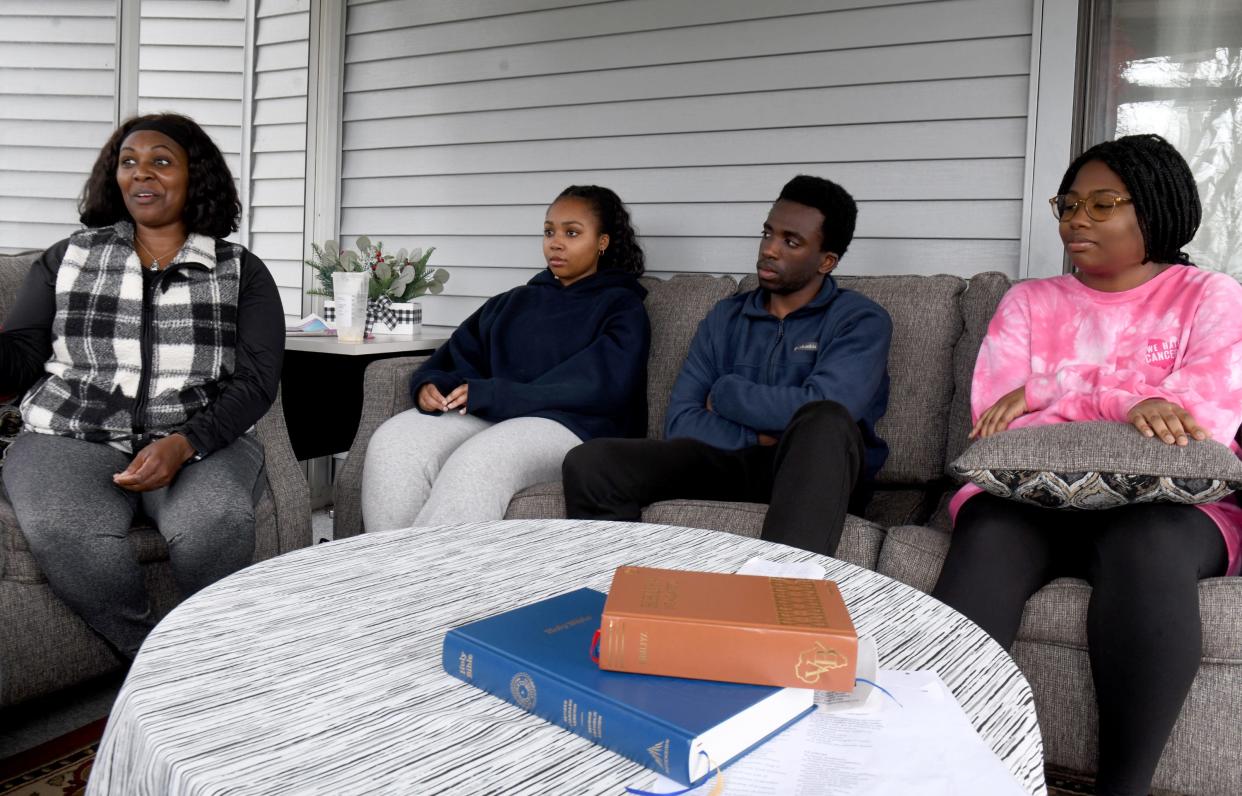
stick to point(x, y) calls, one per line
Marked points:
point(913, 554)
point(385, 392)
point(285, 479)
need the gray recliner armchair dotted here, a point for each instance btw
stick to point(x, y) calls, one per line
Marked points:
point(44, 646)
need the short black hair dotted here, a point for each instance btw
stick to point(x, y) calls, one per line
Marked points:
point(623, 252)
point(1161, 186)
point(840, 211)
point(212, 206)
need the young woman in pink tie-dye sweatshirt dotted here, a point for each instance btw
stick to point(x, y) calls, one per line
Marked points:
point(1139, 335)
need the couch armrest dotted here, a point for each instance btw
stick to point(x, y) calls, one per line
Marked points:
point(286, 480)
point(385, 392)
point(913, 554)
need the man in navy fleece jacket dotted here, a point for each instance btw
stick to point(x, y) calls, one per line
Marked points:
point(778, 398)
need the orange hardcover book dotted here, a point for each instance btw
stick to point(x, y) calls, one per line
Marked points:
point(738, 628)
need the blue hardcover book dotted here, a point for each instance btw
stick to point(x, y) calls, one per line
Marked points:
point(538, 658)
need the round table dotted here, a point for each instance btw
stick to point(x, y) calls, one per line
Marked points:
point(319, 671)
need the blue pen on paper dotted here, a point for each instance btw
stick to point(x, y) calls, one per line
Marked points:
point(879, 688)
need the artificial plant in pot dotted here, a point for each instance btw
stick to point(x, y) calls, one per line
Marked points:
point(395, 280)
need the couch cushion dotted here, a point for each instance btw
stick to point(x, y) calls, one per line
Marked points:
point(860, 540)
point(743, 519)
point(978, 305)
point(1060, 680)
point(13, 268)
point(544, 501)
point(927, 322)
point(1098, 465)
point(889, 507)
point(860, 543)
point(913, 554)
point(1057, 613)
point(675, 307)
point(1051, 651)
point(926, 325)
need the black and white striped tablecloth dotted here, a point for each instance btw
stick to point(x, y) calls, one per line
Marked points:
point(318, 672)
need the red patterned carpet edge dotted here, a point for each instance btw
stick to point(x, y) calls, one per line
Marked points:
point(60, 766)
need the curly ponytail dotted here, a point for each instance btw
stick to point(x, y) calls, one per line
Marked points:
point(623, 252)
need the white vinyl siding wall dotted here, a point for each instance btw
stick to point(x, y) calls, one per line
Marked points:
point(57, 107)
point(462, 121)
point(278, 144)
point(192, 61)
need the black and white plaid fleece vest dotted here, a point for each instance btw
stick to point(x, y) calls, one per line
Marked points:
point(93, 378)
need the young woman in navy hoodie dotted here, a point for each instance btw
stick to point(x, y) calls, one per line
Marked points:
point(534, 372)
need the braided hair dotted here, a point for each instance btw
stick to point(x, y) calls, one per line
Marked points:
point(212, 206)
point(623, 252)
point(1161, 186)
point(834, 202)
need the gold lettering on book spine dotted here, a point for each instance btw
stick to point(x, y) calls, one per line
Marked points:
point(595, 724)
point(797, 603)
point(567, 625)
point(613, 641)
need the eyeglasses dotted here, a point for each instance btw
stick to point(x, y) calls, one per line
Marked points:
point(1099, 205)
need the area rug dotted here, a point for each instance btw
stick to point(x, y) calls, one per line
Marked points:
point(57, 768)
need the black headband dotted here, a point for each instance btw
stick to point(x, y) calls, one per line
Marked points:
point(174, 131)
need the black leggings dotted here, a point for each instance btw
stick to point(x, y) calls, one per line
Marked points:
point(1143, 562)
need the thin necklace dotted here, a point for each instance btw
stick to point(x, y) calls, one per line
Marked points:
point(155, 261)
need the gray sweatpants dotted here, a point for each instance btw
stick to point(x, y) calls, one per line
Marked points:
point(441, 469)
point(77, 523)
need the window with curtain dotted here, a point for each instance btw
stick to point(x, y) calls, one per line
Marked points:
point(1174, 67)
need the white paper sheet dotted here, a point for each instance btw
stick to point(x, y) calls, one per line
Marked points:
point(776, 569)
point(919, 741)
point(311, 325)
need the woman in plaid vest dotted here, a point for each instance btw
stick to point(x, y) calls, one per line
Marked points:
point(147, 347)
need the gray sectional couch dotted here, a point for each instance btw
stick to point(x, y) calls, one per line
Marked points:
point(939, 322)
point(44, 646)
